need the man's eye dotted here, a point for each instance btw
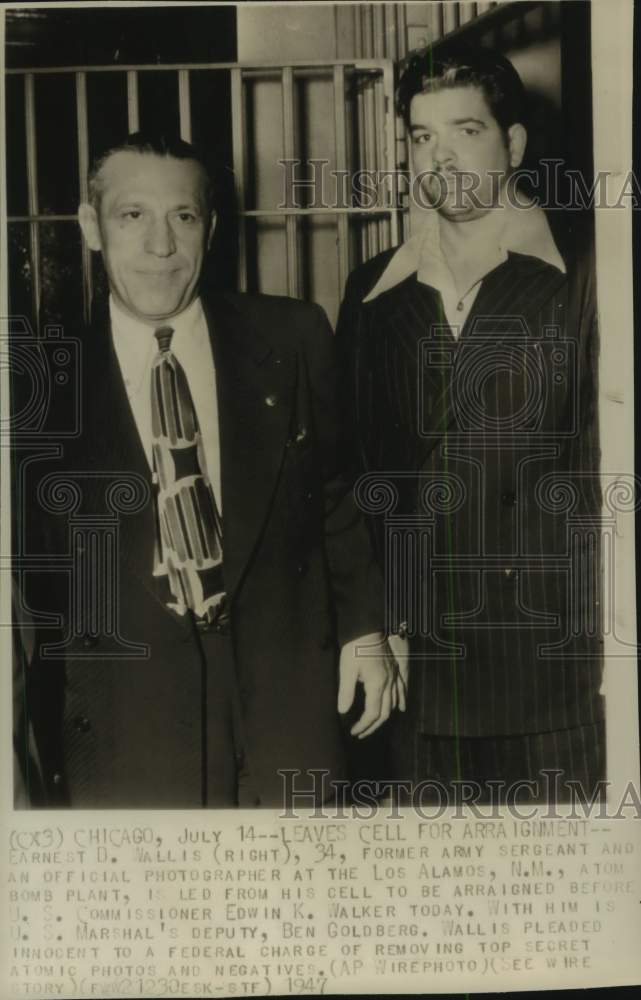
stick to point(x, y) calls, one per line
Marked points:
point(468, 130)
point(132, 213)
point(187, 217)
point(421, 138)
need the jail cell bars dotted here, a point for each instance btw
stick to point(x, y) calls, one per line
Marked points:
point(291, 239)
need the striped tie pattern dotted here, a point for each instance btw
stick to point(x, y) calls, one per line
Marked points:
point(188, 551)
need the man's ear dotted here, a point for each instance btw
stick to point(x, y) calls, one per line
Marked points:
point(517, 141)
point(88, 220)
point(212, 227)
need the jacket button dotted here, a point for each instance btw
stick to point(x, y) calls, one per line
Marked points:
point(57, 778)
point(302, 568)
point(83, 724)
point(508, 498)
point(89, 641)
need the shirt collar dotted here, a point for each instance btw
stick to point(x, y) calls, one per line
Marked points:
point(136, 345)
point(523, 230)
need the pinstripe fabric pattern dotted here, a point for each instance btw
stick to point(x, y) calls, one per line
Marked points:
point(491, 443)
point(567, 755)
point(188, 550)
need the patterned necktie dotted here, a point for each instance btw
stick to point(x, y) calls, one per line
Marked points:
point(188, 552)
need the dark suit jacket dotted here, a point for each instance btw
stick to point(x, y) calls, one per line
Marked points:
point(480, 464)
point(115, 705)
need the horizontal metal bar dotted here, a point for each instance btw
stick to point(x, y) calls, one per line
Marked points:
point(376, 210)
point(275, 212)
point(359, 64)
point(42, 218)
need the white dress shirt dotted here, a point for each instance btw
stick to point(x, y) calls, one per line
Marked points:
point(521, 230)
point(136, 348)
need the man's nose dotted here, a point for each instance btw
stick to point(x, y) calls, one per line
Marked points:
point(159, 238)
point(443, 153)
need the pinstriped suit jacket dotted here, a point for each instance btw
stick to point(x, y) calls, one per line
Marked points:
point(479, 464)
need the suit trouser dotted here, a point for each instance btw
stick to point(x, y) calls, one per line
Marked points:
point(226, 780)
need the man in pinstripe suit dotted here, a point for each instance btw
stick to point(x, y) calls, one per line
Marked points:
point(470, 360)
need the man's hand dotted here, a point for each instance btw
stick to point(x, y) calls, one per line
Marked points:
point(400, 648)
point(377, 670)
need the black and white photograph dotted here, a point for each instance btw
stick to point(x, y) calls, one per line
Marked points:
point(318, 486)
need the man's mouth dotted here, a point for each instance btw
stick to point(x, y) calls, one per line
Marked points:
point(158, 274)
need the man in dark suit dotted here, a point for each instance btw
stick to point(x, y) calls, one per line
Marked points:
point(470, 361)
point(207, 562)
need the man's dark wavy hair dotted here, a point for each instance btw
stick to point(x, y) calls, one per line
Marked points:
point(160, 143)
point(431, 70)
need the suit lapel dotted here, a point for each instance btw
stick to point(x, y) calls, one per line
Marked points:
point(519, 287)
point(113, 452)
point(255, 390)
point(407, 338)
point(256, 393)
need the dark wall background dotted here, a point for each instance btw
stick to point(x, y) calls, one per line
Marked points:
point(105, 35)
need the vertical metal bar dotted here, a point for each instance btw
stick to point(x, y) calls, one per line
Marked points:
point(391, 33)
point(291, 225)
point(133, 112)
point(368, 30)
point(32, 189)
point(238, 146)
point(82, 125)
point(435, 14)
point(378, 19)
point(370, 156)
point(467, 12)
point(401, 29)
point(184, 105)
point(390, 144)
point(341, 164)
point(450, 17)
point(361, 157)
point(378, 30)
point(381, 146)
point(358, 31)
